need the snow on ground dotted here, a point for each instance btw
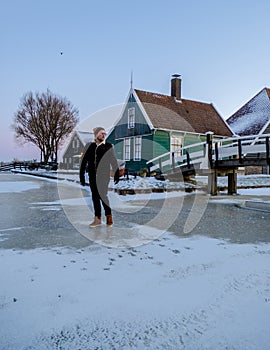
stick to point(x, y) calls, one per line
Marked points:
point(190, 293)
point(173, 293)
point(254, 191)
point(150, 183)
point(242, 180)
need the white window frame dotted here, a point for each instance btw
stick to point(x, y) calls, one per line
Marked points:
point(137, 148)
point(176, 142)
point(131, 118)
point(127, 148)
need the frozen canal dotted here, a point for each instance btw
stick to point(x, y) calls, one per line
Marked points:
point(186, 272)
point(38, 213)
point(31, 215)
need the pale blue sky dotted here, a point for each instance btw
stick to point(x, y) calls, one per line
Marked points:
point(221, 49)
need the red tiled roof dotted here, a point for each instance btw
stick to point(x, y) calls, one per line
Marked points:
point(165, 112)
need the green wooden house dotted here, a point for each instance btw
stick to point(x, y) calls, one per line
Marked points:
point(151, 124)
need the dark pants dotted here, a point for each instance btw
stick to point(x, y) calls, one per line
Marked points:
point(99, 191)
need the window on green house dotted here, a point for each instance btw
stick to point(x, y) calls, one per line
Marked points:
point(137, 148)
point(127, 148)
point(131, 118)
point(176, 144)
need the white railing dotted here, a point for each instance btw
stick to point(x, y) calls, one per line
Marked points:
point(201, 154)
point(189, 155)
point(240, 146)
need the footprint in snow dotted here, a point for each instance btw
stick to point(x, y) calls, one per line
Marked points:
point(176, 251)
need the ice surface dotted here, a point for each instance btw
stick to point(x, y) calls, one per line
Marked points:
point(16, 186)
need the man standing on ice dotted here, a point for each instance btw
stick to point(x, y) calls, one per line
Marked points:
point(99, 158)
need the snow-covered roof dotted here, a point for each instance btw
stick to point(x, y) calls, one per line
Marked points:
point(252, 118)
point(85, 136)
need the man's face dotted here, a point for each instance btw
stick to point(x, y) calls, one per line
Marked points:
point(101, 135)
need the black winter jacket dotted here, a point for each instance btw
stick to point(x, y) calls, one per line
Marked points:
point(98, 161)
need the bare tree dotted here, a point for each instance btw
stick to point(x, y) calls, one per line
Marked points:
point(45, 120)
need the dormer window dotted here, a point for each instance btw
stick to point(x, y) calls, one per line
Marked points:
point(131, 118)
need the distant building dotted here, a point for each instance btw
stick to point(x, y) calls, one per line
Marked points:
point(75, 148)
point(254, 117)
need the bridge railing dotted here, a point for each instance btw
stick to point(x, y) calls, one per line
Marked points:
point(204, 154)
point(239, 147)
point(190, 154)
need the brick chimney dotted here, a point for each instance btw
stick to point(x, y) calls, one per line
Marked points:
point(176, 86)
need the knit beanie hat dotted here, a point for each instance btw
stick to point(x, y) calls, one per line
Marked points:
point(97, 130)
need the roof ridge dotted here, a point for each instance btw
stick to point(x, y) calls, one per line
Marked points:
point(152, 93)
point(172, 97)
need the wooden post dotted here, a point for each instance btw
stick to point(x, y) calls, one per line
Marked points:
point(216, 151)
point(173, 160)
point(160, 164)
point(212, 176)
point(188, 159)
point(240, 151)
point(209, 141)
point(232, 182)
point(267, 150)
point(212, 182)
